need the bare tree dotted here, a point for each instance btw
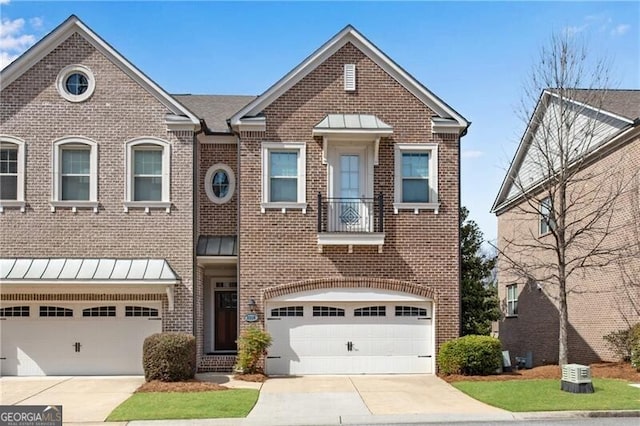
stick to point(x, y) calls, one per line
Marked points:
point(555, 182)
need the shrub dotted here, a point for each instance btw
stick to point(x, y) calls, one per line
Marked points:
point(252, 344)
point(169, 357)
point(622, 342)
point(635, 355)
point(470, 355)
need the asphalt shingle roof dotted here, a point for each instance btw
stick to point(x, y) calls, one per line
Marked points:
point(214, 109)
point(625, 103)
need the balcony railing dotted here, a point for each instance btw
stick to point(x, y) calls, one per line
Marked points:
point(350, 214)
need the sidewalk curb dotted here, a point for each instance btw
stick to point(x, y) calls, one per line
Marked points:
point(541, 415)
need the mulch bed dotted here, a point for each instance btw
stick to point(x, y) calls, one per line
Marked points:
point(187, 386)
point(605, 370)
point(258, 377)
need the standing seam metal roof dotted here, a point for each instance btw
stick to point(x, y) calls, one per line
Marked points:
point(72, 269)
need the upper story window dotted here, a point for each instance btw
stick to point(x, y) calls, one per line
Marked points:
point(148, 165)
point(219, 183)
point(512, 300)
point(11, 172)
point(547, 221)
point(76, 83)
point(75, 173)
point(283, 176)
point(416, 177)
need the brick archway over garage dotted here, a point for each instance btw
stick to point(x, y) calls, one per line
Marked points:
point(350, 282)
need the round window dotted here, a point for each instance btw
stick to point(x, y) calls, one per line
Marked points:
point(76, 83)
point(219, 183)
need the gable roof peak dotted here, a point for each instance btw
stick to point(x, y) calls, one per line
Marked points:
point(60, 34)
point(350, 34)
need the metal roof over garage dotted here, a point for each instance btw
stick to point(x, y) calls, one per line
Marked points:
point(16, 270)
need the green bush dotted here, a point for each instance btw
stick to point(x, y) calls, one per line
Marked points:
point(635, 355)
point(470, 355)
point(252, 344)
point(169, 357)
point(622, 341)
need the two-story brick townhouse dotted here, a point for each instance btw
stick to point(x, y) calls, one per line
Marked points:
point(347, 187)
point(603, 299)
point(324, 210)
point(96, 202)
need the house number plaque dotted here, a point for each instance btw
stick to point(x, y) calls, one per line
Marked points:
point(251, 317)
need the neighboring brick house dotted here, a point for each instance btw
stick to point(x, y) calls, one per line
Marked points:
point(325, 210)
point(603, 299)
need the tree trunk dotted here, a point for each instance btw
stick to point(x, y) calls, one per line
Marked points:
point(563, 314)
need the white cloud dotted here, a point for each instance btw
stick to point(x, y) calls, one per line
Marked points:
point(4, 1)
point(620, 29)
point(575, 29)
point(6, 59)
point(36, 23)
point(471, 153)
point(15, 39)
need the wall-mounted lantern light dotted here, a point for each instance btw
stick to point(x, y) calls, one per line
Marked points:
point(252, 305)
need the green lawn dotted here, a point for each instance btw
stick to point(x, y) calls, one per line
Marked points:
point(186, 405)
point(545, 395)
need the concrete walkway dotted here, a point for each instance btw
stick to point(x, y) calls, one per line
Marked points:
point(364, 399)
point(83, 399)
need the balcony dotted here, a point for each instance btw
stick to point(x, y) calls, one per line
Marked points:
point(351, 221)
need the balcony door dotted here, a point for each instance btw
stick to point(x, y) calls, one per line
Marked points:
point(351, 207)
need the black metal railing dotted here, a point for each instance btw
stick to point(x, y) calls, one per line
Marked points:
point(350, 214)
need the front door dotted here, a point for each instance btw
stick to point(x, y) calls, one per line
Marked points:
point(226, 320)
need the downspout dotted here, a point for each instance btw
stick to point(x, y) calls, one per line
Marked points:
point(462, 134)
point(194, 233)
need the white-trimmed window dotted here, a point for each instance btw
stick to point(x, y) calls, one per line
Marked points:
point(416, 177)
point(283, 176)
point(512, 300)
point(11, 173)
point(547, 222)
point(76, 83)
point(147, 174)
point(219, 183)
point(75, 174)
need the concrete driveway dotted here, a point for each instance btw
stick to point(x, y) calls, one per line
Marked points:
point(83, 399)
point(366, 399)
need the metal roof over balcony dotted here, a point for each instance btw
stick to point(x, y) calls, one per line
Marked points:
point(352, 123)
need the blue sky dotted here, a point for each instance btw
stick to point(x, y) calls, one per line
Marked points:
point(474, 55)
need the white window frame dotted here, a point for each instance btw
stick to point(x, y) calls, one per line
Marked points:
point(64, 74)
point(432, 150)
point(546, 223)
point(512, 300)
point(301, 203)
point(130, 147)
point(56, 199)
point(208, 180)
point(19, 202)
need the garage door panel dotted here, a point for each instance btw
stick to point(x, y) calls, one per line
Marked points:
point(379, 344)
point(47, 346)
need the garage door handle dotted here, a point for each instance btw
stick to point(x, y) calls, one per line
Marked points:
point(424, 356)
point(155, 319)
point(273, 357)
point(77, 346)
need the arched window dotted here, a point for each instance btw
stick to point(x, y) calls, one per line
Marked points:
point(75, 173)
point(148, 166)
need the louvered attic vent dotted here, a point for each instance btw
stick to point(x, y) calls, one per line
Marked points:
point(349, 77)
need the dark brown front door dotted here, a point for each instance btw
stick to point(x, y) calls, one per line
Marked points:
point(226, 318)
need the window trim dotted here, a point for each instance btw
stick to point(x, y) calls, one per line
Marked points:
point(58, 147)
point(208, 180)
point(512, 302)
point(546, 224)
point(301, 203)
point(165, 202)
point(19, 202)
point(433, 204)
point(65, 73)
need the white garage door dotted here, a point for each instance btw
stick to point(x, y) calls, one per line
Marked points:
point(53, 338)
point(350, 338)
